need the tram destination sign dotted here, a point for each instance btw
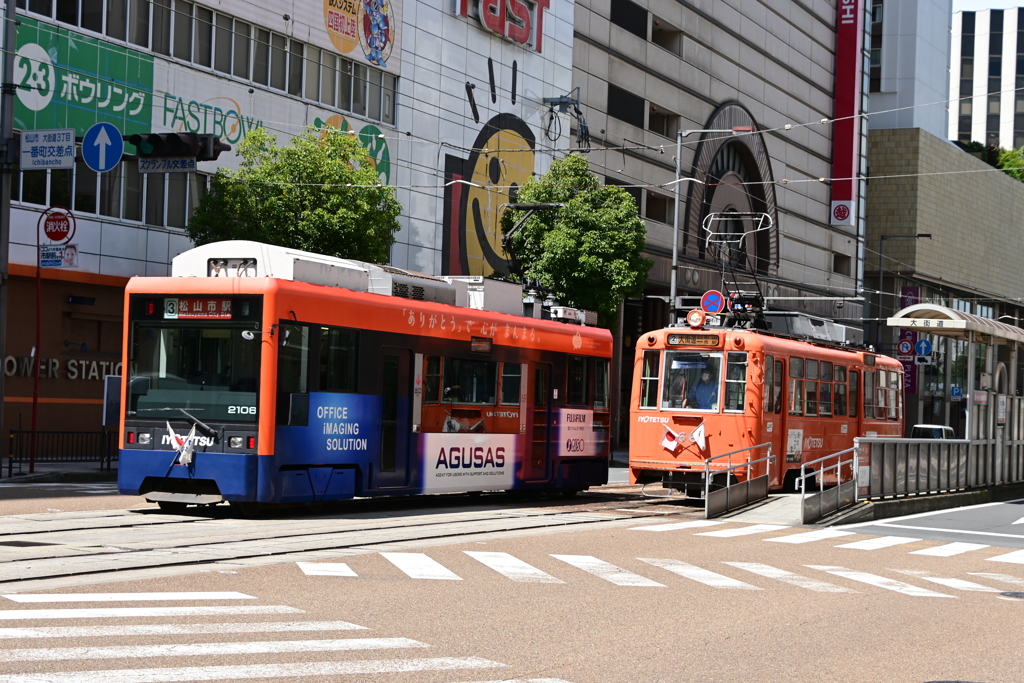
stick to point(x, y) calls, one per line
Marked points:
point(693, 339)
point(197, 309)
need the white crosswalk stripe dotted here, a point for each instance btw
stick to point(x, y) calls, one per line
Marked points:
point(512, 567)
point(325, 569)
point(1016, 557)
point(42, 654)
point(878, 543)
point(124, 597)
point(950, 549)
point(175, 629)
point(606, 571)
point(881, 582)
point(744, 531)
point(1005, 578)
point(958, 584)
point(112, 612)
point(674, 526)
point(256, 671)
point(810, 536)
point(419, 566)
point(790, 578)
point(707, 577)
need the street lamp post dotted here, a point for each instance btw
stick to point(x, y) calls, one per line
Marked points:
point(673, 281)
point(881, 274)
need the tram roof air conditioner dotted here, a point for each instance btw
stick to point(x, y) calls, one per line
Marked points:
point(807, 326)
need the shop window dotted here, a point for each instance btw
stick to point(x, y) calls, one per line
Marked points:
point(295, 59)
point(177, 199)
point(278, 61)
point(117, 19)
point(110, 192)
point(261, 57)
point(329, 79)
point(155, 199)
point(359, 89)
point(85, 188)
point(162, 27)
point(242, 36)
point(132, 190)
point(387, 114)
point(375, 83)
point(345, 85)
point(312, 91)
point(204, 37)
point(60, 186)
point(139, 34)
point(222, 47)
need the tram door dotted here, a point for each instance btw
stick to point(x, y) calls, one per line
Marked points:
point(396, 417)
point(536, 468)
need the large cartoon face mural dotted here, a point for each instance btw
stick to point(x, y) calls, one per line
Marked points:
point(502, 160)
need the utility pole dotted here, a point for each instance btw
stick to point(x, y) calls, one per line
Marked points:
point(9, 155)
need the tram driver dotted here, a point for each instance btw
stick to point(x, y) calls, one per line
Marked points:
point(704, 394)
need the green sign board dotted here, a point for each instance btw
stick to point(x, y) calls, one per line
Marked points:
point(69, 80)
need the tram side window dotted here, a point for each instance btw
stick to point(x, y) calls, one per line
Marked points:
point(735, 380)
point(577, 389)
point(796, 386)
point(649, 373)
point(431, 379)
point(780, 378)
point(854, 388)
point(510, 383)
point(869, 394)
point(293, 363)
point(470, 381)
point(338, 360)
point(602, 390)
point(769, 384)
point(811, 387)
point(881, 382)
point(840, 391)
point(825, 389)
point(894, 404)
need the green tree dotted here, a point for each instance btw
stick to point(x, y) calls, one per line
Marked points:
point(1012, 162)
point(589, 252)
point(321, 194)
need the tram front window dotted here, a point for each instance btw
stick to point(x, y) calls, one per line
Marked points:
point(692, 381)
point(213, 371)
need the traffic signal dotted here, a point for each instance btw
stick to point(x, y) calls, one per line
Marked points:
point(163, 145)
point(210, 148)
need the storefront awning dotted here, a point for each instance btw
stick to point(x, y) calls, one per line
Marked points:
point(946, 322)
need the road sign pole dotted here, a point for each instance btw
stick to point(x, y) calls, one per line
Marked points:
point(7, 89)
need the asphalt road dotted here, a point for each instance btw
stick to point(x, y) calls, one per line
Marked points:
point(991, 524)
point(619, 590)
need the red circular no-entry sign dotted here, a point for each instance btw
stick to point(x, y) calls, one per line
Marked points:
point(58, 224)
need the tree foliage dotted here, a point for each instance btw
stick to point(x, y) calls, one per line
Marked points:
point(587, 253)
point(1012, 162)
point(321, 194)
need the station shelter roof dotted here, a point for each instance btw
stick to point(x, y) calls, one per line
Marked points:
point(947, 322)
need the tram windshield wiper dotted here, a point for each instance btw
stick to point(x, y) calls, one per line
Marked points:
point(205, 428)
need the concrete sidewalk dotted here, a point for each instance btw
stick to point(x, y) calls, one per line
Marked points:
point(50, 472)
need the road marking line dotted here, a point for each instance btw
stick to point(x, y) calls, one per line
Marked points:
point(791, 578)
point(512, 567)
point(1005, 578)
point(216, 673)
point(123, 597)
point(176, 629)
point(918, 515)
point(1016, 557)
point(950, 549)
point(419, 566)
point(881, 582)
point(698, 574)
point(744, 531)
point(958, 584)
point(109, 612)
point(878, 543)
point(947, 531)
point(325, 569)
point(810, 536)
point(43, 654)
point(606, 571)
point(677, 525)
point(528, 680)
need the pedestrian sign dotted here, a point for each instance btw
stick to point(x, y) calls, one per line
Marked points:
point(102, 147)
point(712, 302)
point(923, 347)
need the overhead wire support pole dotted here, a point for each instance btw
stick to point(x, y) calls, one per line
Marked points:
point(7, 91)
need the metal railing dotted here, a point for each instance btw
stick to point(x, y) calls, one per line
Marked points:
point(25, 447)
point(903, 467)
point(834, 498)
point(735, 495)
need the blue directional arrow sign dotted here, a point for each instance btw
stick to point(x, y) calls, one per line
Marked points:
point(923, 347)
point(102, 147)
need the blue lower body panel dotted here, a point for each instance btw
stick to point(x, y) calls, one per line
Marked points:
point(235, 474)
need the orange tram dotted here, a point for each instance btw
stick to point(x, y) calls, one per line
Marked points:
point(700, 392)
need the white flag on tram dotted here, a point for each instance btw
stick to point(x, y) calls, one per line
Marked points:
point(184, 446)
point(697, 436)
point(670, 441)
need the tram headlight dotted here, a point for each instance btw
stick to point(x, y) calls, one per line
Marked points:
point(145, 438)
point(236, 442)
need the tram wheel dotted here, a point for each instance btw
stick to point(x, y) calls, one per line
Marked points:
point(170, 506)
point(789, 483)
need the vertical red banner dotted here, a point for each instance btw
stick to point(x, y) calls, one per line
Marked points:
point(847, 108)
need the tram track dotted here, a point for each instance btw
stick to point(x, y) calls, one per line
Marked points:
point(39, 550)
